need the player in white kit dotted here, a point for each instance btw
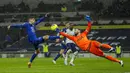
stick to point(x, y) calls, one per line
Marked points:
point(70, 45)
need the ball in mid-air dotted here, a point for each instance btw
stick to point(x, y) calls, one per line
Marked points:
point(54, 26)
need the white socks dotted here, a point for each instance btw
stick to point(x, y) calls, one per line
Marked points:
point(73, 56)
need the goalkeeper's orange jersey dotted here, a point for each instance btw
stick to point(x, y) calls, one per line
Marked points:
point(81, 40)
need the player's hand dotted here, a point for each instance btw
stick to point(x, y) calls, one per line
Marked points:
point(47, 14)
point(87, 17)
point(57, 40)
point(8, 27)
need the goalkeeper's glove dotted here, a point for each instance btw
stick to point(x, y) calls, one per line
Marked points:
point(88, 18)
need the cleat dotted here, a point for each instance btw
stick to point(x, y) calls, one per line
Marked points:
point(54, 61)
point(72, 64)
point(112, 49)
point(65, 62)
point(121, 63)
point(29, 64)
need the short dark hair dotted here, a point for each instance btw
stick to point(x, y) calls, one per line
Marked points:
point(30, 17)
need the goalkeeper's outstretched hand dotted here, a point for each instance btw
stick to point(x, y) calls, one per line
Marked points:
point(88, 18)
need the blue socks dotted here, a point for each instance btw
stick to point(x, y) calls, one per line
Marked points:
point(53, 37)
point(58, 55)
point(65, 51)
point(33, 57)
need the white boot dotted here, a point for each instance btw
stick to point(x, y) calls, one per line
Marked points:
point(73, 58)
point(66, 57)
point(121, 63)
point(54, 61)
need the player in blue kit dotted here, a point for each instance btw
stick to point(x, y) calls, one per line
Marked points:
point(62, 51)
point(63, 47)
point(30, 27)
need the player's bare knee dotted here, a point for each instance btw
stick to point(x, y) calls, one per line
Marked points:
point(46, 37)
point(37, 51)
point(61, 51)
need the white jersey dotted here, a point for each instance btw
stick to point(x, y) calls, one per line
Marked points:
point(70, 32)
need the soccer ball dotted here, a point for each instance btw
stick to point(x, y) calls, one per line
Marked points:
point(54, 26)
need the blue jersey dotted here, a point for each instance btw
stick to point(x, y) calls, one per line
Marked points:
point(63, 40)
point(30, 29)
point(63, 44)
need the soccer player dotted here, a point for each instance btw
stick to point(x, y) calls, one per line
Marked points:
point(92, 46)
point(32, 38)
point(62, 51)
point(70, 45)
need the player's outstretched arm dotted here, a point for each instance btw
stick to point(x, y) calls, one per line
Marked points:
point(41, 19)
point(67, 36)
point(89, 24)
point(17, 25)
point(55, 27)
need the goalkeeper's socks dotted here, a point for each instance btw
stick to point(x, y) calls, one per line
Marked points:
point(106, 46)
point(33, 57)
point(112, 59)
point(58, 55)
point(53, 37)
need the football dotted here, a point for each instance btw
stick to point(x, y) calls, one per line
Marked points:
point(54, 26)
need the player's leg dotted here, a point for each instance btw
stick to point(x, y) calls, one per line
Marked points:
point(34, 55)
point(62, 51)
point(75, 51)
point(105, 46)
point(72, 48)
point(114, 59)
point(99, 52)
point(67, 54)
point(57, 56)
point(41, 40)
point(36, 46)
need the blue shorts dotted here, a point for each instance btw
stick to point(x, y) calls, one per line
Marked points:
point(72, 46)
point(36, 42)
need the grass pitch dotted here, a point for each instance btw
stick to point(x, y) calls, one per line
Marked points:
point(45, 65)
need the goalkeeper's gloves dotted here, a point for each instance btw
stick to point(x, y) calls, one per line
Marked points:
point(88, 18)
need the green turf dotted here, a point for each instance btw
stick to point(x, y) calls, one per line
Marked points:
point(45, 65)
point(93, 27)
